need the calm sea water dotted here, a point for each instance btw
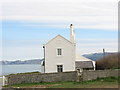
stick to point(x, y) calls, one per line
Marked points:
point(12, 69)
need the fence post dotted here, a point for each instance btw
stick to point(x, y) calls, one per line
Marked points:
point(4, 81)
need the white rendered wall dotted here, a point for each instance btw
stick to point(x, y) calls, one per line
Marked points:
point(67, 59)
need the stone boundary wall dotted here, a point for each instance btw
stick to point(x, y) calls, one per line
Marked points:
point(41, 77)
point(91, 75)
point(57, 77)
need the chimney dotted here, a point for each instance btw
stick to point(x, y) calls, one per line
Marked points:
point(72, 34)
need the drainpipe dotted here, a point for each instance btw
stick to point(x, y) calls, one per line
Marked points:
point(44, 58)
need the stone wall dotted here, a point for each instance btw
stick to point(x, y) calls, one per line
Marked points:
point(39, 77)
point(91, 75)
point(57, 77)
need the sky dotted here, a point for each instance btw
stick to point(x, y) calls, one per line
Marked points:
point(25, 25)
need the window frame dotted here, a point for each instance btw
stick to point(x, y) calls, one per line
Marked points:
point(59, 68)
point(59, 51)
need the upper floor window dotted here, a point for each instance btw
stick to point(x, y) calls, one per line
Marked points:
point(59, 51)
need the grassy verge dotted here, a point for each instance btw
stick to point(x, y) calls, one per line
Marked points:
point(24, 73)
point(108, 82)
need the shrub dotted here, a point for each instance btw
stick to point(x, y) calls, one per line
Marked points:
point(108, 62)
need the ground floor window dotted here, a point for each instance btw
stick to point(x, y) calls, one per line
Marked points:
point(59, 68)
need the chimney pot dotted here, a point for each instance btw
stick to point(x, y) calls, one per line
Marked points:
point(71, 24)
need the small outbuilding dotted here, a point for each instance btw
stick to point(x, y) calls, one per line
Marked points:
point(83, 63)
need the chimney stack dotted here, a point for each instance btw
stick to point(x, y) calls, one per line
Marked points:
point(72, 33)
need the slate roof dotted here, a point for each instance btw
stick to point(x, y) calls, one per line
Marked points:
point(84, 64)
point(82, 58)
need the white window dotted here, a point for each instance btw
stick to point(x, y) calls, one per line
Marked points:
point(59, 51)
point(59, 68)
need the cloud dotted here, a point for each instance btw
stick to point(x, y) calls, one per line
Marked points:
point(85, 46)
point(32, 49)
point(95, 48)
point(36, 51)
point(84, 14)
point(90, 14)
point(93, 22)
point(22, 52)
point(87, 50)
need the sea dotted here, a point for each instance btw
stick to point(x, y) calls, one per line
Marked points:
point(21, 68)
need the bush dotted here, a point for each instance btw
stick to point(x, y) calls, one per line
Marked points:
point(108, 62)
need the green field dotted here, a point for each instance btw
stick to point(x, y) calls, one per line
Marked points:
point(109, 82)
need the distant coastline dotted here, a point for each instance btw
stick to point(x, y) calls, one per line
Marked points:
point(93, 56)
point(17, 62)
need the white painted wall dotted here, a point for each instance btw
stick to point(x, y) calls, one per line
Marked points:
point(68, 55)
point(72, 34)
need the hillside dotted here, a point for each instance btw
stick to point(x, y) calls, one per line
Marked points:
point(97, 56)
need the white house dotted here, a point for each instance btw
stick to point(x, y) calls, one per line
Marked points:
point(60, 54)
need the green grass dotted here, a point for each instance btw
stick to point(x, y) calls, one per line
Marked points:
point(34, 84)
point(108, 82)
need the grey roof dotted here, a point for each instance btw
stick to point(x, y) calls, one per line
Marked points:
point(84, 64)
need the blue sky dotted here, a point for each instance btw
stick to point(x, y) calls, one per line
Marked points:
point(15, 30)
point(26, 26)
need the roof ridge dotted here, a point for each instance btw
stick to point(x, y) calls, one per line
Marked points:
point(56, 37)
